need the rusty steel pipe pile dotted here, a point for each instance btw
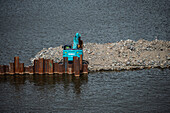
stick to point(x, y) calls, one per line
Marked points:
point(46, 66)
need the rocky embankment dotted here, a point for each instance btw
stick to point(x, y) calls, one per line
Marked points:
point(123, 55)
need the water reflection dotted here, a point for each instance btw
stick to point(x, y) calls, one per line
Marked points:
point(42, 80)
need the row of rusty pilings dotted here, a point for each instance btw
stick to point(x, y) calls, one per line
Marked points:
point(46, 66)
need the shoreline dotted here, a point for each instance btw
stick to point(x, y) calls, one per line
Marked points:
point(122, 55)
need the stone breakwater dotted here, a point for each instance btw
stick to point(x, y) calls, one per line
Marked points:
point(122, 55)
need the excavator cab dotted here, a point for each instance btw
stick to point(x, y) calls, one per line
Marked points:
point(70, 51)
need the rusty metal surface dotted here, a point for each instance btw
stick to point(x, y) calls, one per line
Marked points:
point(2, 72)
point(41, 66)
point(46, 66)
point(81, 62)
point(85, 68)
point(60, 68)
point(21, 68)
point(70, 69)
point(27, 70)
point(74, 64)
point(36, 66)
point(16, 62)
point(77, 67)
point(11, 68)
point(31, 70)
point(65, 64)
point(55, 67)
point(6, 69)
point(50, 67)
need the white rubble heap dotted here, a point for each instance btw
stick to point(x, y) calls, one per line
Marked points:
point(123, 55)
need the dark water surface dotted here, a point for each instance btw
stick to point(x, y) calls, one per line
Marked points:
point(127, 91)
point(28, 26)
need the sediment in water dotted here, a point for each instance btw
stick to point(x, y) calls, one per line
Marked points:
point(122, 55)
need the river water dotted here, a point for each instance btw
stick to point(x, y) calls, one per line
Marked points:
point(126, 91)
point(26, 27)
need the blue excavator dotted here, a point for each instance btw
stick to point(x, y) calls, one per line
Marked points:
point(74, 50)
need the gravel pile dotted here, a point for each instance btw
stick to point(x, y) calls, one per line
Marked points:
point(123, 55)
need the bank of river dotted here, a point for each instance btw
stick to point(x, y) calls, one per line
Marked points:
point(122, 55)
